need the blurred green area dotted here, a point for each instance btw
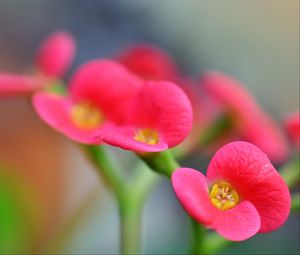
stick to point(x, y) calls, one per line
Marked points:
point(52, 201)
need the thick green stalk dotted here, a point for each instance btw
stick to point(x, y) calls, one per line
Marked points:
point(161, 162)
point(197, 238)
point(130, 196)
point(110, 175)
point(130, 210)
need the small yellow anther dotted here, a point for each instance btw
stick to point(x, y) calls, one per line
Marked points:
point(86, 116)
point(223, 196)
point(148, 136)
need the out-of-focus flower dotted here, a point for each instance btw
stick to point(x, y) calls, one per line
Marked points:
point(54, 57)
point(150, 62)
point(250, 122)
point(241, 195)
point(107, 103)
point(56, 54)
point(292, 125)
point(11, 84)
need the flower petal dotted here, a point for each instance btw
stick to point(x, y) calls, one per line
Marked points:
point(56, 54)
point(251, 173)
point(55, 111)
point(12, 84)
point(150, 63)
point(123, 137)
point(251, 122)
point(191, 189)
point(164, 107)
point(238, 223)
point(292, 125)
point(108, 85)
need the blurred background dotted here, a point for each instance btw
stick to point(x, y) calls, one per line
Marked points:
point(51, 199)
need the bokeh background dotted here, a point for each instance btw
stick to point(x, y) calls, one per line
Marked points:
point(57, 204)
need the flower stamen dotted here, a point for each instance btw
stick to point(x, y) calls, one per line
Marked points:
point(145, 135)
point(223, 196)
point(86, 116)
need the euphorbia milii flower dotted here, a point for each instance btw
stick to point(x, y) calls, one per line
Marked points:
point(292, 125)
point(242, 193)
point(53, 59)
point(56, 54)
point(11, 84)
point(150, 63)
point(107, 103)
point(249, 120)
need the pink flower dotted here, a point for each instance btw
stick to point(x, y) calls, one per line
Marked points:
point(292, 125)
point(53, 59)
point(11, 84)
point(56, 54)
point(150, 63)
point(109, 104)
point(241, 195)
point(250, 121)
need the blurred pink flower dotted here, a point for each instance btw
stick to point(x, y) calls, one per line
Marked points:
point(11, 84)
point(56, 54)
point(53, 58)
point(250, 121)
point(149, 62)
point(241, 195)
point(109, 104)
point(292, 125)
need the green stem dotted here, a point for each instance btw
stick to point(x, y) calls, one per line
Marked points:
point(130, 211)
point(290, 173)
point(296, 202)
point(197, 239)
point(110, 175)
point(130, 196)
point(162, 162)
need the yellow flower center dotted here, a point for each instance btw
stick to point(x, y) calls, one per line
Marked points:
point(223, 196)
point(145, 135)
point(86, 116)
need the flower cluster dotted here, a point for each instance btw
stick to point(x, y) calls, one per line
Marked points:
point(141, 102)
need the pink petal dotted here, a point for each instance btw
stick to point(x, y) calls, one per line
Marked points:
point(150, 63)
point(191, 189)
point(237, 224)
point(12, 84)
point(108, 85)
point(292, 125)
point(56, 54)
point(251, 122)
point(164, 107)
point(264, 133)
point(55, 111)
point(251, 173)
point(123, 137)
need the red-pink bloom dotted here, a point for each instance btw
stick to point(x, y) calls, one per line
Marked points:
point(53, 59)
point(150, 63)
point(109, 104)
point(250, 121)
point(292, 125)
point(241, 195)
point(11, 84)
point(56, 54)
